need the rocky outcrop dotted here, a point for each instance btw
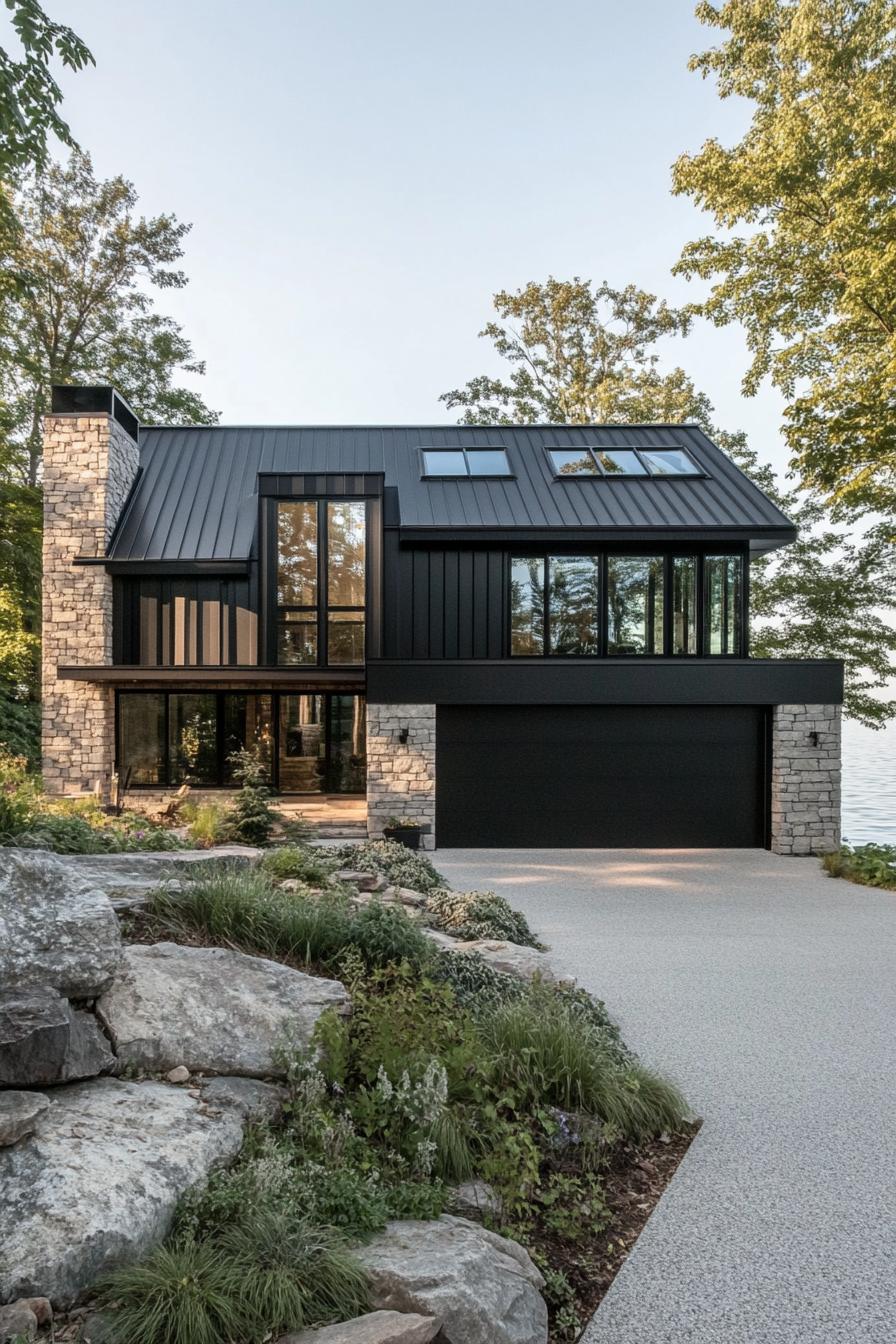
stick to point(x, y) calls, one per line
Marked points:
point(512, 958)
point(378, 1327)
point(127, 879)
point(212, 1010)
point(20, 1113)
point(43, 1041)
point(484, 1288)
point(56, 928)
point(96, 1186)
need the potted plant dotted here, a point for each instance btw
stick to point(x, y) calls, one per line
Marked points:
point(405, 830)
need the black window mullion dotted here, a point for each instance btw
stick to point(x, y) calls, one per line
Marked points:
point(744, 650)
point(323, 588)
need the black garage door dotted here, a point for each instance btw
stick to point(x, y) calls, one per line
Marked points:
point(614, 776)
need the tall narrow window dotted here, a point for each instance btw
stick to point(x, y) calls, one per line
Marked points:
point(723, 589)
point(297, 581)
point(346, 569)
point(634, 604)
point(684, 604)
point(192, 739)
point(574, 604)
point(141, 738)
point(321, 581)
point(527, 606)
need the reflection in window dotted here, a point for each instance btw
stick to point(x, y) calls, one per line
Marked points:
point(684, 604)
point(247, 723)
point(620, 462)
point(345, 637)
point(635, 604)
point(192, 739)
point(297, 638)
point(527, 606)
point(669, 462)
point(141, 738)
point(723, 580)
point(466, 462)
point(574, 604)
point(297, 553)
point(345, 552)
point(579, 463)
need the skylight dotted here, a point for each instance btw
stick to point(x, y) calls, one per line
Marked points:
point(605, 460)
point(452, 462)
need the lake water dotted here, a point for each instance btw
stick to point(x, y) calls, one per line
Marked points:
point(869, 784)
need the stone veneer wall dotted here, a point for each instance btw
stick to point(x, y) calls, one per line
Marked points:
point(89, 466)
point(401, 777)
point(805, 779)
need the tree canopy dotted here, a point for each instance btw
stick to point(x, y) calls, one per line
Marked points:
point(584, 354)
point(804, 255)
point(85, 311)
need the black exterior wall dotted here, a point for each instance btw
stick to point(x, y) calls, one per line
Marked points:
point(609, 681)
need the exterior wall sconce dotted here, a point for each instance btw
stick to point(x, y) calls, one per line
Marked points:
point(404, 733)
point(813, 738)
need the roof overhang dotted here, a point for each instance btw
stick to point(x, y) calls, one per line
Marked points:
point(301, 680)
point(161, 568)
point(769, 539)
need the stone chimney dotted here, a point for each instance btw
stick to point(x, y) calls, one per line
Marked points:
point(90, 463)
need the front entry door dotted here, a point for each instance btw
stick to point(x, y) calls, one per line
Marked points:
point(321, 744)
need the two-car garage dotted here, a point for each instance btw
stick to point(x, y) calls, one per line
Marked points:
point(614, 776)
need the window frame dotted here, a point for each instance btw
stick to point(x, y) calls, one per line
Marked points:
point(508, 475)
point(669, 555)
point(593, 450)
point(321, 612)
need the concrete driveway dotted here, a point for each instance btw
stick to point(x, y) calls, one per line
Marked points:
point(768, 991)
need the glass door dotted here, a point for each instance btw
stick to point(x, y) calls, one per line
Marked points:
point(302, 747)
point(322, 744)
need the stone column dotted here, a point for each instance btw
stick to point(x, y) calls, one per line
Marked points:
point(401, 776)
point(805, 779)
point(90, 463)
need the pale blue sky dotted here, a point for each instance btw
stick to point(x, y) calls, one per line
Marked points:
point(361, 177)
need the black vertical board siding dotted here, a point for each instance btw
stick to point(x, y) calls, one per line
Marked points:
point(436, 604)
point(444, 603)
point(450, 621)
point(184, 622)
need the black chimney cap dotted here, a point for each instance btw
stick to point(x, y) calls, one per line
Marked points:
point(72, 400)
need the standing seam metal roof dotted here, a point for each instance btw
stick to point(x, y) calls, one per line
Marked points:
point(196, 495)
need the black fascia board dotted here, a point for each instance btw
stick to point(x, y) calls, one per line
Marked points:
point(158, 568)
point(765, 538)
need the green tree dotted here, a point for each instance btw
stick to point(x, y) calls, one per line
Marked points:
point(85, 312)
point(29, 94)
point(583, 354)
point(805, 253)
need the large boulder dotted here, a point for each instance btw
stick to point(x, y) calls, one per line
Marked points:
point(127, 879)
point(56, 927)
point(377, 1327)
point(96, 1186)
point(20, 1114)
point(512, 958)
point(484, 1288)
point(43, 1040)
point(211, 1009)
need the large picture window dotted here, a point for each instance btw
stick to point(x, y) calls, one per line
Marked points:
point(568, 622)
point(321, 581)
point(635, 604)
point(308, 743)
point(627, 605)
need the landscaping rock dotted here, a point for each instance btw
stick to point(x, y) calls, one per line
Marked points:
point(212, 1010)
point(17, 1321)
point(56, 927)
point(484, 1288)
point(378, 1327)
point(19, 1115)
point(476, 1197)
point(127, 879)
point(43, 1041)
point(512, 958)
point(253, 1100)
point(179, 1075)
point(96, 1186)
point(363, 881)
point(413, 899)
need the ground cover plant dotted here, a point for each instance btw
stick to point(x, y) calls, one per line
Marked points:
point(870, 865)
point(446, 1070)
point(30, 820)
point(402, 867)
point(477, 914)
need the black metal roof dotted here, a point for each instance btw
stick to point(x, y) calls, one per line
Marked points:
point(196, 496)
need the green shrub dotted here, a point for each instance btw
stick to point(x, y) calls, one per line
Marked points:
point(252, 818)
point(293, 1272)
point(207, 823)
point(475, 983)
point(477, 914)
point(86, 831)
point(871, 865)
point(403, 867)
point(20, 729)
point(547, 1052)
point(181, 1294)
point(244, 909)
point(19, 796)
point(311, 866)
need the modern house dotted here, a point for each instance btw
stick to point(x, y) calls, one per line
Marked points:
point(521, 636)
